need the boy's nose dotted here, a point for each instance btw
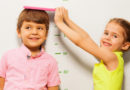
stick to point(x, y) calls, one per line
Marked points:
point(34, 31)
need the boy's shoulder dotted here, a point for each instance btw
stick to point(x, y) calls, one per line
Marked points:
point(11, 51)
point(48, 56)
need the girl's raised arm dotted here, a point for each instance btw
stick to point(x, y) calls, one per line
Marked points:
point(81, 38)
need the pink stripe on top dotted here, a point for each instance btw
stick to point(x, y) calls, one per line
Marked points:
point(22, 72)
point(39, 8)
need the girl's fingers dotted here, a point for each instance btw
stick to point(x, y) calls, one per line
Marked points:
point(59, 11)
point(58, 15)
point(65, 13)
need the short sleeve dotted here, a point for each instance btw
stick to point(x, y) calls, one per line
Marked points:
point(3, 66)
point(53, 75)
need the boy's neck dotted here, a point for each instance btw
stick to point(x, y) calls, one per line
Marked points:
point(34, 51)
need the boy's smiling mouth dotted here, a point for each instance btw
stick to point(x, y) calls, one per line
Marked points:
point(34, 38)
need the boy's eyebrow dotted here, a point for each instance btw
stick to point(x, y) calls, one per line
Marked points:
point(38, 25)
point(41, 25)
point(27, 25)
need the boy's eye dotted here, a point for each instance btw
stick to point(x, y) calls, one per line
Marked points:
point(40, 28)
point(28, 27)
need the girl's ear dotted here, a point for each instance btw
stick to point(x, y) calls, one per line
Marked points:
point(126, 46)
point(18, 33)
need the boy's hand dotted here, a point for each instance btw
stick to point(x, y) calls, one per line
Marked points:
point(53, 88)
point(2, 81)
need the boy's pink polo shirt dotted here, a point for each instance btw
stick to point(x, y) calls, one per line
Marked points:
point(22, 72)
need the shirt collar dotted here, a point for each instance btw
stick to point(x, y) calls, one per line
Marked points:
point(27, 52)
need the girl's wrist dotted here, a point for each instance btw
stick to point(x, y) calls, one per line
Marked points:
point(67, 19)
point(59, 23)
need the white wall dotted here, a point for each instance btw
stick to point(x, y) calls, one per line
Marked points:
point(75, 65)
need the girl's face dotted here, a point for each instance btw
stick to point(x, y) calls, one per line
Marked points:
point(113, 37)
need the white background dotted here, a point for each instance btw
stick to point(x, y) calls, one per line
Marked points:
point(75, 65)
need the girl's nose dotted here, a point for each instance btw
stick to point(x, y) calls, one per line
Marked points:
point(108, 37)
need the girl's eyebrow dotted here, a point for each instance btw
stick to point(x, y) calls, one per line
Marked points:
point(113, 32)
point(105, 30)
point(116, 34)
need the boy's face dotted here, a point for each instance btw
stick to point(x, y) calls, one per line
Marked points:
point(113, 37)
point(32, 34)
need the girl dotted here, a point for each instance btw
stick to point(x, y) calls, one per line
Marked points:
point(108, 74)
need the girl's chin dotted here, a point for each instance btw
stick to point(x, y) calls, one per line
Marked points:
point(107, 47)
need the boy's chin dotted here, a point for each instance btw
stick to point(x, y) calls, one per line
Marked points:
point(33, 46)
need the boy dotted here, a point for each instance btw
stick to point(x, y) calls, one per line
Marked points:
point(29, 67)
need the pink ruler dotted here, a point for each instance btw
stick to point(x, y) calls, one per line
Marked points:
point(39, 8)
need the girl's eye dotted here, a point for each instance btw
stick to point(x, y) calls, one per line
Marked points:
point(115, 36)
point(106, 33)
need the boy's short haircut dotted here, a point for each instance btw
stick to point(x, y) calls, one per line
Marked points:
point(37, 16)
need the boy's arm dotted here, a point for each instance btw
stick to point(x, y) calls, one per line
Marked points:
point(83, 40)
point(2, 81)
point(3, 69)
point(53, 75)
point(53, 88)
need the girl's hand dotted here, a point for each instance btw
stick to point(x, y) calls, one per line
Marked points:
point(65, 13)
point(58, 15)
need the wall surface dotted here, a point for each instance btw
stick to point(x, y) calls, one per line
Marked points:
point(75, 65)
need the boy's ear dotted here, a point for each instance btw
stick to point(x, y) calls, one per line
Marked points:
point(126, 46)
point(18, 33)
point(46, 33)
